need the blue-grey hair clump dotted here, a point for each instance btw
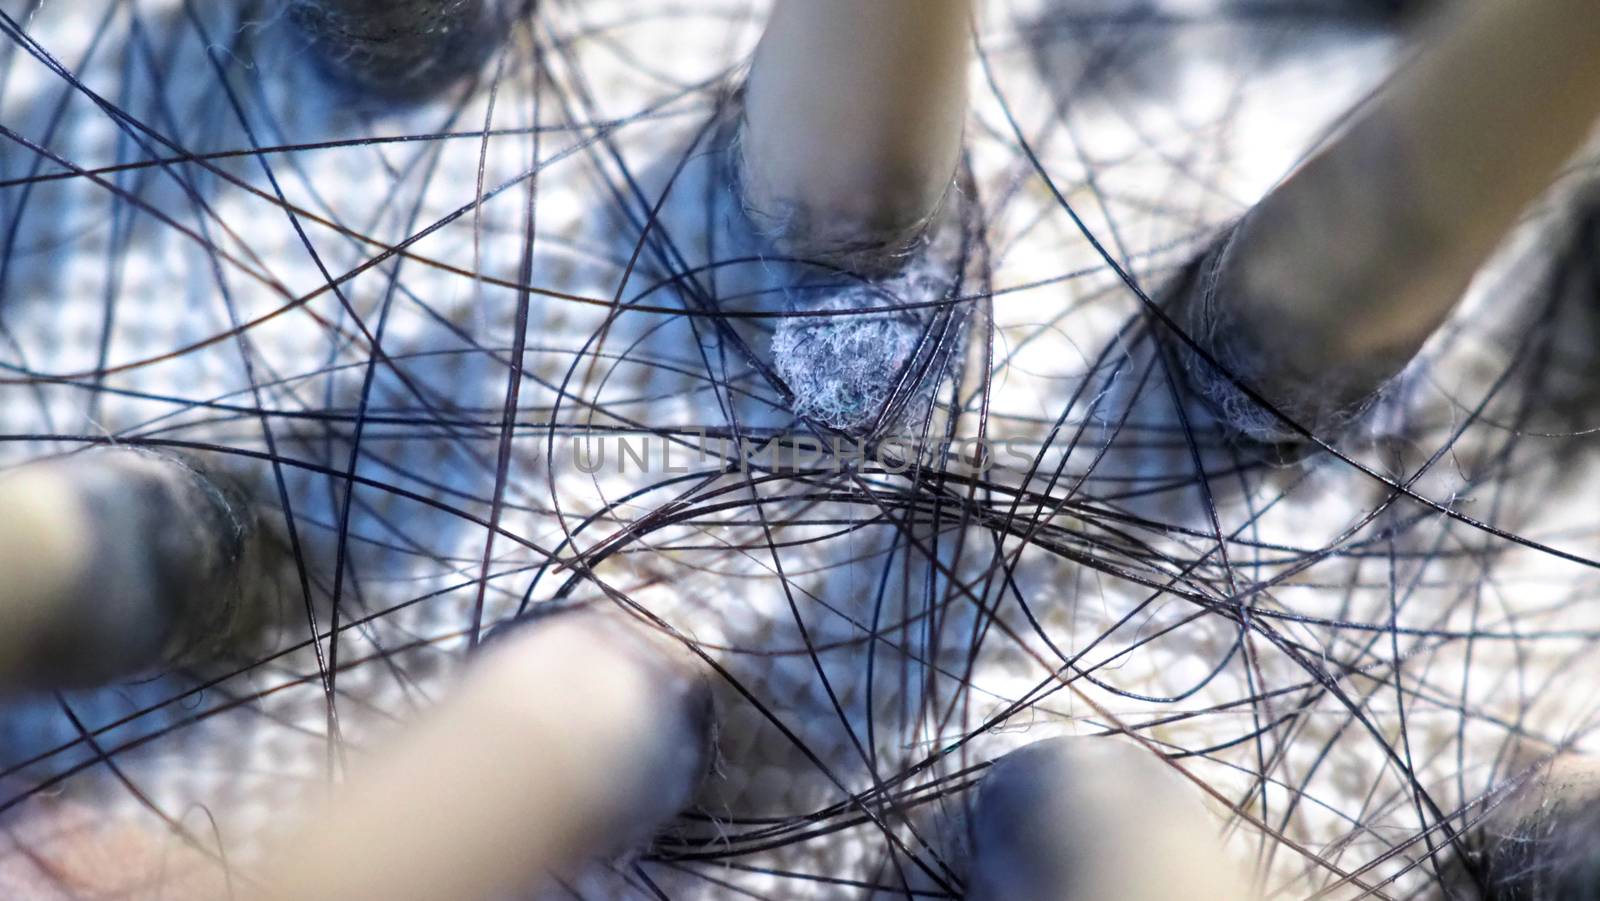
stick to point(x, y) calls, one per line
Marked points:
point(843, 369)
point(866, 371)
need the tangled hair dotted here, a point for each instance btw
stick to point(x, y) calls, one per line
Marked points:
point(489, 354)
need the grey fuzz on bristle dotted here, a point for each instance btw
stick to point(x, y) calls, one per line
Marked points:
point(1542, 842)
point(158, 561)
point(1554, 856)
point(1322, 403)
point(1339, 277)
point(879, 248)
point(396, 48)
point(851, 123)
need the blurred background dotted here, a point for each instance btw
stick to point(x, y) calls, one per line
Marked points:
point(207, 246)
